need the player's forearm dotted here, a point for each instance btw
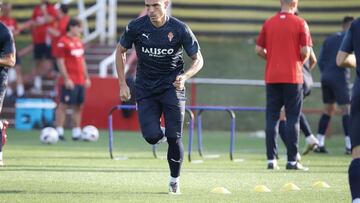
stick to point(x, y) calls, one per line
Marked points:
point(62, 69)
point(8, 60)
point(312, 60)
point(86, 73)
point(196, 65)
point(345, 60)
point(305, 53)
point(120, 58)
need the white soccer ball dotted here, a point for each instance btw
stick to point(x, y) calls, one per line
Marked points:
point(90, 133)
point(49, 135)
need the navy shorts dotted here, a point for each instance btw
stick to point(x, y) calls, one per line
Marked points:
point(3, 85)
point(355, 115)
point(74, 96)
point(335, 92)
point(171, 103)
point(42, 51)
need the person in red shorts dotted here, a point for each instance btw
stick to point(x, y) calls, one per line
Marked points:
point(43, 16)
point(12, 24)
point(285, 43)
point(73, 79)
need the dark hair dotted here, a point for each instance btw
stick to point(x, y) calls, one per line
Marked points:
point(72, 23)
point(64, 8)
point(347, 19)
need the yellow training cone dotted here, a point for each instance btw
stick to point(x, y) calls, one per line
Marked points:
point(220, 190)
point(261, 188)
point(290, 187)
point(321, 184)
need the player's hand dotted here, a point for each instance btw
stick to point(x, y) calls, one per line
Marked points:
point(69, 84)
point(180, 82)
point(124, 93)
point(87, 83)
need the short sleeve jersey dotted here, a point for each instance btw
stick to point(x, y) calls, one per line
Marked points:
point(330, 72)
point(159, 51)
point(71, 49)
point(282, 36)
point(39, 32)
point(7, 45)
point(351, 43)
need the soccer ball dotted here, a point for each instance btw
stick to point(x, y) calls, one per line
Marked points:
point(49, 136)
point(90, 133)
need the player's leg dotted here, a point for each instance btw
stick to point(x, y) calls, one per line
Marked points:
point(311, 141)
point(293, 97)
point(173, 102)
point(343, 94)
point(328, 98)
point(149, 112)
point(77, 100)
point(354, 130)
point(3, 85)
point(60, 114)
point(274, 103)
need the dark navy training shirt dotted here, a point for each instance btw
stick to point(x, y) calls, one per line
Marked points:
point(330, 72)
point(159, 51)
point(351, 43)
point(7, 45)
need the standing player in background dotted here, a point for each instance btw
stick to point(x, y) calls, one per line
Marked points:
point(7, 59)
point(285, 43)
point(11, 23)
point(335, 86)
point(74, 78)
point(159, 42)
point(59, 28)
point(345, 58)
point(43, 16)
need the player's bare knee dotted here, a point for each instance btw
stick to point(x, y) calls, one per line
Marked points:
point(356, 152)
point(345, 109)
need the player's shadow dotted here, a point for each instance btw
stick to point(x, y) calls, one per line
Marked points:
point(11, 191)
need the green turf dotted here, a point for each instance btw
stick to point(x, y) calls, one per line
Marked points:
point(82, 172)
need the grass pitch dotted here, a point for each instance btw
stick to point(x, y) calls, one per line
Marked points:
point(83, 172)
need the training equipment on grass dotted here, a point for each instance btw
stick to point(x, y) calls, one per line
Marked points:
point(90, 133)
point(189, 110)
point(49, 135)
point(220, 190)
point(261, 188)
point(321, 184)
point(290, 187)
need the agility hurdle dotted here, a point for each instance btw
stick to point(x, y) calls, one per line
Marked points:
point(133, 107)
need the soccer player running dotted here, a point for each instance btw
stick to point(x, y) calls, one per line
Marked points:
point(74, 78)
point(7, 59)
point(159, 42)
point(335, 86)
point(345, 58)
point(285, 43)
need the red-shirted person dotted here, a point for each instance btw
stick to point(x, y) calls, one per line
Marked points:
point(43, 16)
point(59, 28)
point(285, 43)
point(11, 23)
point(73, 80)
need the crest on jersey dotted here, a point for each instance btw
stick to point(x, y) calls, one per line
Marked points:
point(170, 36)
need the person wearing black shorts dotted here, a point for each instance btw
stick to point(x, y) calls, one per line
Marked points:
point(159, 42)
